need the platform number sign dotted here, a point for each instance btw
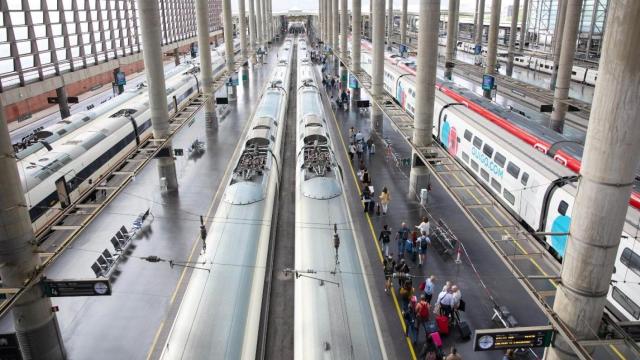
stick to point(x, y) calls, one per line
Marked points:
point(513, 338)
point(488, 82)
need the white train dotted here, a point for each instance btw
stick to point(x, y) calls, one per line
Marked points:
point(330, 320)
point(579, 73)
point(53, 180)
point(219, 315)
point(528, 183)
point(56, 175)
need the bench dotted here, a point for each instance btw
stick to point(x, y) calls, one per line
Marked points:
point(445, 238)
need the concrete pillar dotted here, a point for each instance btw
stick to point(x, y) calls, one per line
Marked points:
point(336, 30)
point(390, 24)
point(151, 28)
point(36, 325)
point(452, 38)
point(356, 23)
point(176, 57)
point(63, 103)
point(569, 37)
point(512, 37)
point(403, 23)
point(228, 44)
point(320, 29)
point(427, 63)
point(259, 34)
point(557, 47)
point(377, 78)
point(479, 30)
point(607, 176)
point(523, 28)
point(492, 50)
point(252, 32)
point(265, 25)
point(202, 20)
point(330, 16)
point(243, 29)
point(344, 29)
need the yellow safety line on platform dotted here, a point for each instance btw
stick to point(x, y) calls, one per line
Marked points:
point(375, 241)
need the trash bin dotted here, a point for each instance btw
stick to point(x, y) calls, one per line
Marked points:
point(423, 197)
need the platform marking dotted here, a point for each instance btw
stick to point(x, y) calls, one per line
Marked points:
point(223, 183)
point(375, 241)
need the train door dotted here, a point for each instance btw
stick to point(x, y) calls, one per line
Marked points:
point(63, 192)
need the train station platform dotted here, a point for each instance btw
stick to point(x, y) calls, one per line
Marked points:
point(134, 321)
point(500, 283)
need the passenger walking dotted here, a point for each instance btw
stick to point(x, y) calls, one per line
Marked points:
point(429, 350)
point(424, 226)
point(366, 178)
point(446, 301)
point(457, 297)
point(405, 294)
point(352, 151)
point(422, 315)
point(410, 320)
point(359, 150)
point(423, 242)
point(509, 355)
point(366, 197)
point(402, 270)
point(385, 239)
point(389, 265)
point(401, 237)
point(428, 287)
point(359, 137)
point(385, 198)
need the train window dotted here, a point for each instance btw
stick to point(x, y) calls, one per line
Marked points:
point(477, 142)
point(573, 73)
point(496, 185)
point(487, 150)
point(525, 178)
point(465, 157)
point(468, 135)
point(563, 207)
point(484, 174)
point(474, 165)
point(631, 260)
point(509, 196)
point(500, 159)
point(513, 170)
point(629, 305)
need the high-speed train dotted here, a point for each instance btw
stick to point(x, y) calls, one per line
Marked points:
point(579, 74)
point(54, 177)
point(560, 148)
point(535, 189)
point(332, 319)
point(50, 134)
point(219, 315)
point(53, 180)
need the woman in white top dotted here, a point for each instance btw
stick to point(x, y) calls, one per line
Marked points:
point(424, 226)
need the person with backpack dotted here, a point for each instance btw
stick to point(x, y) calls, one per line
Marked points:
point(401, 272)
point(422, 314)
point(401, 237)
point(366, 197)
point(423, 242)
point(388, 264)
point(427, 288)
point(385, 239)
point(410, 320)
point(405, 293)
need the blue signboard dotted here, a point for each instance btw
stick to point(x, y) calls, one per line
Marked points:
point(488, 82)
point(477, 50)
point(403, 49)
point(121, 79)
point(353, 82)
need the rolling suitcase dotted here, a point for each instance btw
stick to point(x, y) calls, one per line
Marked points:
point(431, 327)
point(465, 330)
point(443, 324)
